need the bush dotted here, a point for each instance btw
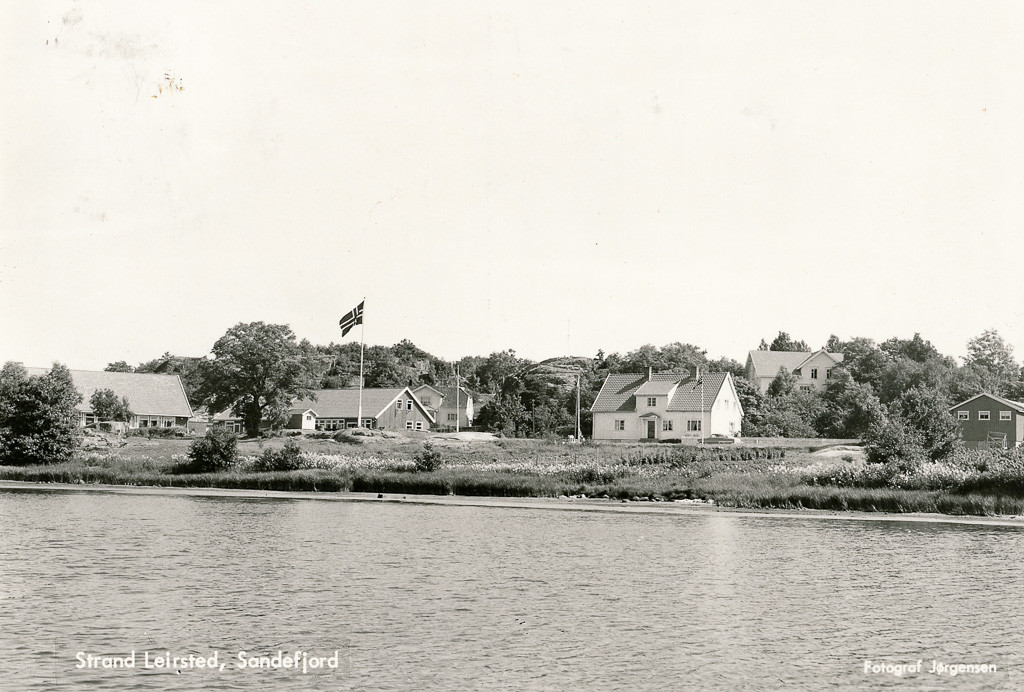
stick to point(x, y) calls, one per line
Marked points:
point(288, 458)
point(216, 451)
point(894, 441)
point(162, 433)
point(38, 416)
point(428, 459)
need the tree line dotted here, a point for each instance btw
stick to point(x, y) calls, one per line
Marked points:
point(895, 394)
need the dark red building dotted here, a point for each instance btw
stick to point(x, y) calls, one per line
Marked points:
point(988, 420)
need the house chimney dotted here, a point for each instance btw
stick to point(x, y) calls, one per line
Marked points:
point(650, 372)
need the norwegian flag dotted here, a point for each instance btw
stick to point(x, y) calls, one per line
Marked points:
point(354, 317)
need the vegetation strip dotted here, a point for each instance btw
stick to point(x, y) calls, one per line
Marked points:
point(985, 483)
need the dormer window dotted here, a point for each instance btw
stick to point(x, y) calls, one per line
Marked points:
point(652, 401)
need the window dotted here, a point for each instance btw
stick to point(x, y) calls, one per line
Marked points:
point(453, 416)
point(963, 415)
point(828, 373)
point(425, 400)
point(652, 401)
point(419, 425)
point(367, 423)
point(814, 373)
point(408, 425)
point(806, 388)
point(1004, 415)
point(408, 404)
point(984, 415)
point(666, 425)
point(620, 425)
point(693, 426)
point(398, 405)
point(351, 424)
point(168, 422)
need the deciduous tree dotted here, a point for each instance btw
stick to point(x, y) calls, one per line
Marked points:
point(257, 370)
point(38, 416)
point(990, 352)
point(106, 406)
point(783, 342)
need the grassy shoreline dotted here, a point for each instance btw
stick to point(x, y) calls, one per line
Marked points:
point(744, 477)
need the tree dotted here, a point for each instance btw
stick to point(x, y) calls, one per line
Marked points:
point(119, 366)
point(729, 365)
point(504, 415)
point(916, 349)
point(783, 342)
point(791, 415)
point(863, 359)
point(106, 406)
point(783, 383)
point(384, 370)
point(499, 373)
point(38, 416)
point(918, 426)
point(850, 408)
point(257, 370)
point(674, 357)
point(834, 344)
point(991, 353)
point(926, 412)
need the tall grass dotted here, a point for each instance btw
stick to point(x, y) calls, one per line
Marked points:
point(974, 483)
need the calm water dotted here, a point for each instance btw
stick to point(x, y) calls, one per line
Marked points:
point(487, 597)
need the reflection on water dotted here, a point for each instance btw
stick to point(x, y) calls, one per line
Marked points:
point(484, 597)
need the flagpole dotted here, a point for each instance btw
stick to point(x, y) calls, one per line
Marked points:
point(579, 431)
point(701, 405)
point(458, 418)
point(362, 342)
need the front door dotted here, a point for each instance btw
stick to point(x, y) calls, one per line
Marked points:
point(650, 430)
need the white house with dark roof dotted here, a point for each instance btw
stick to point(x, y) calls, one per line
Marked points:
point(811, 369)
point(666, 406)
point(156, 401)
point(447, 405)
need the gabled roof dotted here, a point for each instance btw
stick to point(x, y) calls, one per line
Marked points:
point(344, 403)
point(688, 396)
point(1016, 405)
point(619, 390)
point(427, 386)
point(147, 394)
point(767, 363)
point(449, 395)
point(656, 388)
point(835, 357)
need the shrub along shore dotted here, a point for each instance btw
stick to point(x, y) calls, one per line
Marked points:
point(970, 483)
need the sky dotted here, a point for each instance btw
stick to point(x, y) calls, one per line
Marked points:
point(555, 178)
